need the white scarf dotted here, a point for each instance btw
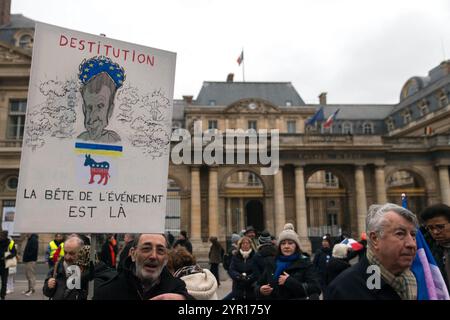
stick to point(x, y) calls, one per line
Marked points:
point(245, 254)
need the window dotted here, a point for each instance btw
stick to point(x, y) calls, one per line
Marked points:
point(288, 103)
point(212, 102)
point(423, 107)
point(291, 126)
point(26, 41)
point(16, 119)
point(390, 124)
point(331, 219)
point(212, 124)
point(367, 128)
point(330, 179)
point(443, 99)
point(253, 180)
point(12, 182)
point(406, 116)
point(347, 128)
point(252, 124)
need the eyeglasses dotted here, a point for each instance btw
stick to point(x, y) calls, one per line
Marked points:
point(437, 227)
point(146, 249)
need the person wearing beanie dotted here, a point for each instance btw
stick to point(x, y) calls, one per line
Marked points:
point(321, 259)
point(290, 274)
point(266, 250)
point(251, 233)
point(242, 272)
point(337, 264)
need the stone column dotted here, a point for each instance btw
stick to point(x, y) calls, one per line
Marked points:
point(300, 209)
point(301, 125)
point(380, 184)
point(229, 217)
point(444, 184)
point(241, 213)
point(196, 216)
point(213, 221)
point(280, 214)
point(361, 200)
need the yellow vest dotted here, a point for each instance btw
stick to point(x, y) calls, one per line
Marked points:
point(11, 245)
point(54, 247)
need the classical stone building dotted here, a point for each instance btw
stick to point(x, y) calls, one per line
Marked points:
point(327, 178)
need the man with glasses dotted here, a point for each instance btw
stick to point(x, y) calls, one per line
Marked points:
point(144, 276)
point(436, 219)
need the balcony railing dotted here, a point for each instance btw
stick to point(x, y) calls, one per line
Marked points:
point(10, 143)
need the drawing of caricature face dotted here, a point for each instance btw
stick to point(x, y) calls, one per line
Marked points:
point(98, 106)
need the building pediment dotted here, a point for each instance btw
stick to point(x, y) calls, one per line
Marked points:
point(252, 106)
point(13, 55)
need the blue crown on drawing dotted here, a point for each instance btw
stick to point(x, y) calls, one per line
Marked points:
point(96, 65)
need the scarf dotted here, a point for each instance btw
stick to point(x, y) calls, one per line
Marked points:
point(245, 254)
point(405, 284)
point(283, 262)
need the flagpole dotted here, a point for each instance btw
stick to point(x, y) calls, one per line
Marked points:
point(243, 64)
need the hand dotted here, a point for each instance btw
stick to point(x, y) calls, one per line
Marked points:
point(282, 278)
point(169, 296)
point(51, 283)
point(265, 290)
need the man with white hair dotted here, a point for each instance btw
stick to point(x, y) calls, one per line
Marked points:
point(384, 274)
point(55, 286)
point(144, 275)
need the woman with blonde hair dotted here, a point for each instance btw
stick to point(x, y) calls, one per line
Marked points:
point(242, 271)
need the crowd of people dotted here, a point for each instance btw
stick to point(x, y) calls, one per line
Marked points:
point(261, 266)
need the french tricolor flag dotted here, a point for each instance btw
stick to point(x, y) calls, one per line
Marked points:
point(430, 283)
point(352, 243)
point(330, 119)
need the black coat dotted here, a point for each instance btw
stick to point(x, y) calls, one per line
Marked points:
point(302, 283)
point(184, 243)
point(126, 286)
point(321, 258)
point(266, 251)
point(243, 285)
point(105, 254)
point(124, 255)
point(352, 285)
point(30, 253)
point(60, 291)
point(334, 268)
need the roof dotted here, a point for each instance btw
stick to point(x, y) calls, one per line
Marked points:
point(358, 111)
point(225, 93)
point(19, 21)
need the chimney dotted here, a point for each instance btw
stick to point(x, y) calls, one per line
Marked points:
point(230, 77)
point(323, 98)
point(188, 99)
point(5, 12)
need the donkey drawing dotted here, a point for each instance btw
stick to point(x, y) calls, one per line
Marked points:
point(97, 168)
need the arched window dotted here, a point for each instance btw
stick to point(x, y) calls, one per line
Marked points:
point(367, 128)
point(26, 41)
point(347, 128)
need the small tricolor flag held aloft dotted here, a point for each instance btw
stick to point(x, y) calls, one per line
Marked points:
point(240, 58)
point(330, 119)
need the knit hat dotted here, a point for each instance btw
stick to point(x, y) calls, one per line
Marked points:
point(249, 229)
point(340, 251)
point(235, 238)
point(289, 233)
point(265, 237)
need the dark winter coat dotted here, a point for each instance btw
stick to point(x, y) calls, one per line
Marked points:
point(30, 253)
point(242, 284)
point(106, 256)
point(302, 283)
point(124, 255)
point(352, 285)
point(60, 291)
point(126, 286)
point(320, 262)
point(265, 252)
point(334, 268)
point(184, 243)
point(215, 253)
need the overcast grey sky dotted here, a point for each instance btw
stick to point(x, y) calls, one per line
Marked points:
point(356, 50)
